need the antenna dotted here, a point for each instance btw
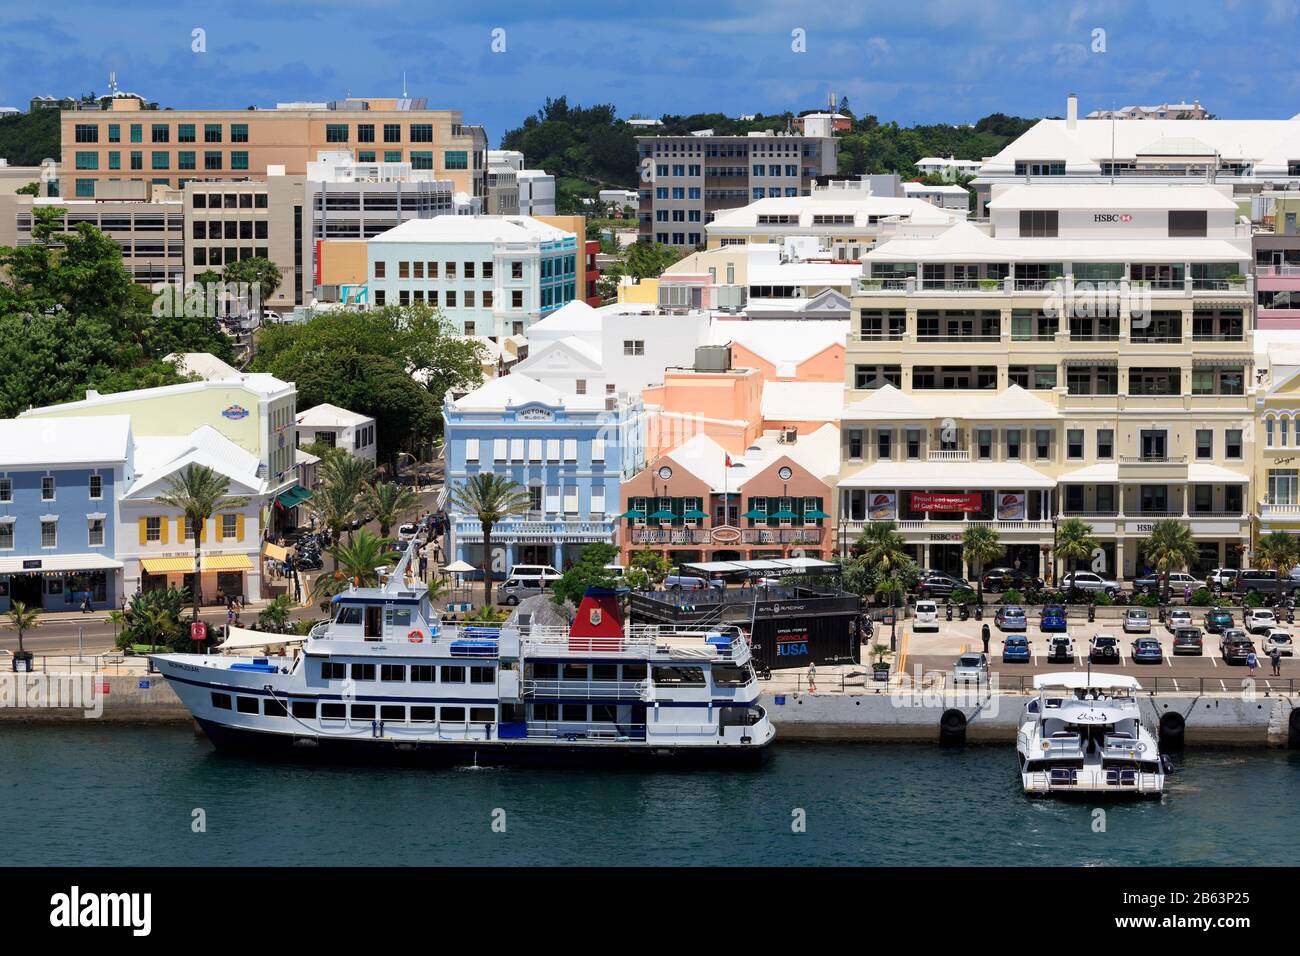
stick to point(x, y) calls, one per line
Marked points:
point(404, 94)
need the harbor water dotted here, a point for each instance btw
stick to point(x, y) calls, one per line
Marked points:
point(162, 796)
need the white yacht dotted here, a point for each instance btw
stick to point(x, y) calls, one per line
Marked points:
point(384, 678)
point(1083, 734)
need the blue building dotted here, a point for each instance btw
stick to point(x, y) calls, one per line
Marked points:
point(571, 452)
point(60, 482)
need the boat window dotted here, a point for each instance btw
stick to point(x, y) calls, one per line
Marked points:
point(603, 713)
point(395, 712)
point(573, 712)
point(453, 675)
point(424, 715)
point(333, 670)
point(392, 672)
point(304, 708)
point(333, 711)
point(348, 614)
point(374, 617)
point(576, 672)
point(363, 671)
point(397, 616)
point(544, 671)
point(546, 712)
point(731, 675)
point(247, 705)
point(424, 673)
point(484, 674)
point(634, 671)
point(272, 708)
point(363, 711)
point(454, 714)
point(484, 715)
point(604, 672)
point(679, 675)
point(221, 701)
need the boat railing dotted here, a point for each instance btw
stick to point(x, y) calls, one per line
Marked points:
point(1061, 744)
point(1122, 746)
point(582, 730)
point(590, 689)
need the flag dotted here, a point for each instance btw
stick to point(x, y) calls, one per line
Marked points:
point(728, 461)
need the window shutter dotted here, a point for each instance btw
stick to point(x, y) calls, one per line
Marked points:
point(499, 449)
point(162, 530)
point(534, 449)
point(552, 498)
point(471, 449)
point(144, 530)
point(597, 501)
point(220, 527)
point(552, 449)
point(598, 449)
point(570, 449)
point(239, 527)
point(570, 499)
point(516, 449)
point(180, 529)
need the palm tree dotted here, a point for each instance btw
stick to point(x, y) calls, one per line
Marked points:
point(1169, 547)
point(199, 493)
point(1277, 551)
point(883, 548)
point(491, 498)
point(1074, 542)
point(386, 500)
point(335, 506)
point(276, 614)
point(980, 545)
point(356, 562)
point(347, 471)
point(24, 618)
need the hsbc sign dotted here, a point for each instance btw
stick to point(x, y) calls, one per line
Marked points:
point(1112, 217)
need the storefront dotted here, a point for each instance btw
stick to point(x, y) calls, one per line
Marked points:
point(221, 576)
point(61, 582)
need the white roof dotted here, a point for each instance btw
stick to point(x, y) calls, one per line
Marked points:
point(923, 475)
point(64, 441)
point(513, 390)
point(261, 384)
point(1082, 680)
point(574, 316)
point(473, 229)
point(331, 416)
point(802, 401)
point(949, 189)
point(780, 341)
point(890, 403)
point(706, 459)
point(804, 273)
point(203, 364)
point(1118, 196)
point(158, 457)
point(828, 202)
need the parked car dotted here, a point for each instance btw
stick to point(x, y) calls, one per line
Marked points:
point(1015, 649)
point(1090, 582)
point(1052, 618)
point(1002, 579)
point(407, 531)
point(1234, 650)
point(1146, 650)
point(1103, 649)
point(1281, 640)
point(513, 590)
point(1137, 620)
point(692, 582)
point(1187, 640)
point(938, 584)
point(1217, 620)
point(1060, 648)
point(1232, 634)
point(1265, 582)
point(1010, 617)
point(927, 616)
point(1222, 578)
point(1258, 620)
point(1176, 618)
point(971, 667)
point(537, 573)
point(1179, 581)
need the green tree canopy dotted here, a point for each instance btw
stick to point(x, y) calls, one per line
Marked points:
point(588, 571)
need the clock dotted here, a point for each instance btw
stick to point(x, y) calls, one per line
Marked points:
point(785, 472)
point(665, 472)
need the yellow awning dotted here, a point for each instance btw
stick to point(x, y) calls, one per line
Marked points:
point(211, 562)
point(275, 552)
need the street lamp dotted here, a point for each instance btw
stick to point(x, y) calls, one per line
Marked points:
point(414, 461)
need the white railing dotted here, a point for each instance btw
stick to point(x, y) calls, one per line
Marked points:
point(590, 689)
point(1062, 745)
point(956, 454)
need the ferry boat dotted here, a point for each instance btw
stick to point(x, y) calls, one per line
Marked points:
point(385, 679)
point(1083, 734)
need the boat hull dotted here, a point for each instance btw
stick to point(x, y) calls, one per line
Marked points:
point(493, 753)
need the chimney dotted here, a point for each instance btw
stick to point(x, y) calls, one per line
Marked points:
point(1072, 111)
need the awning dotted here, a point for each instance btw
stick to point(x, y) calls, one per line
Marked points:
point(57, 562)
point(964, 475)
point(210, 562)
point(275, 552)
point(293, 497)
point(243, 637)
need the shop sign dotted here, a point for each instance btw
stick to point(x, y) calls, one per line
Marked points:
point(235, 413)
point(924, 501)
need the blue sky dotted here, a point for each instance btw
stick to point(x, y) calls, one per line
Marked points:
point(929, 61)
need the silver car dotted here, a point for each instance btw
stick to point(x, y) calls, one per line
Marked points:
point(971, 668)
point(1137, 620)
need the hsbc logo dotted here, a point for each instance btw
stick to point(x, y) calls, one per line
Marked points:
point(1112, 217)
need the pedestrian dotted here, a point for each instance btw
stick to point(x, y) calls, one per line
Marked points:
point(812, 678)
point(1275, 656)
point(985, 635)
point(230, 614)
point(85, 603)
point(1252, 662)
point(424, 566)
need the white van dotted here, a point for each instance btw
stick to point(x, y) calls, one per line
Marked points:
point(539, 575)
point(927, 616)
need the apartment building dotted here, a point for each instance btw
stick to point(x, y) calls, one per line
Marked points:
point(692, 178)
point(1277, 263)
point(491, 275)
point(1172, 111)
point(514, 190)
point(172, 147)
point(1277, 450)
point(1248, 155)
point(1088, 352)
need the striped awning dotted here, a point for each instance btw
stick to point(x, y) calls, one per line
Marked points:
point(1223, 361)
point(210, 562)
point(293, 497)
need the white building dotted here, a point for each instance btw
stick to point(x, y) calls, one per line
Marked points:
point(1173, 111)
point(619, 197)
point(949, 168)
point(948, 196)
point(536, 187)
point(338, 428)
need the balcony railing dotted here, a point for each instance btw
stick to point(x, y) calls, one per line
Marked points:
point(948, 454)
point(782, 535)
point(1153, 459)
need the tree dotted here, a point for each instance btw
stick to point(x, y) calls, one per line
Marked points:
point(883, 548)
point(647, 570)
point(387, 500)
point(256, 272)
point(491, 498)
point(335, 506)
point(1169, 547)
point(199, 493)
point(275, 616)
point(1277, 552)
point(31, 189)
point(979, 545)
point(1074, 543)
point(360, 558)
point(588, 571)
point(647, 260)
point(23, 618)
